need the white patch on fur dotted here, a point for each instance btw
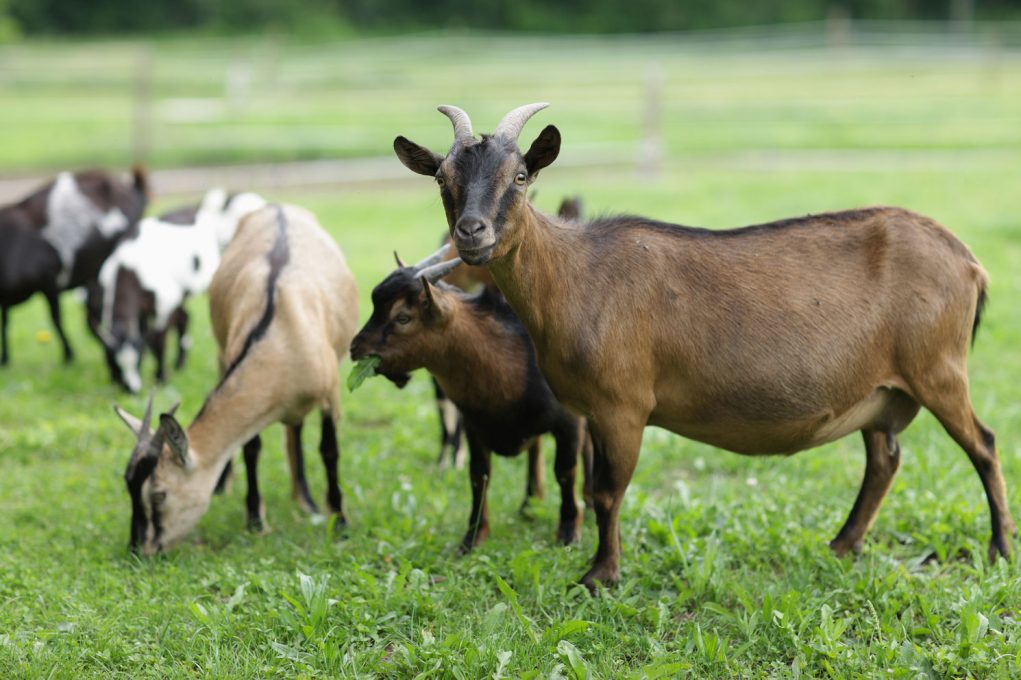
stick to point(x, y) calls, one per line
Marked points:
point(449, 413)
point(127, 359)
point(70, 217)
point(163, 255)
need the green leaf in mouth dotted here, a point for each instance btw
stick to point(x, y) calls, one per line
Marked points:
point(364, 368)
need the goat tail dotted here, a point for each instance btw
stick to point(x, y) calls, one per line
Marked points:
point(140, 179)
point(983, 298)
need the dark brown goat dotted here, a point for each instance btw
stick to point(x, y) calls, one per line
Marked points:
point(480, 355)
point(767, 339)
point(471, 278)
point(58, 237)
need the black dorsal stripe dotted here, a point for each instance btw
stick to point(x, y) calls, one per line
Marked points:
point(278, 257)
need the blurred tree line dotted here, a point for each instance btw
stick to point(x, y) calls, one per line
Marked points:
point(570, 16)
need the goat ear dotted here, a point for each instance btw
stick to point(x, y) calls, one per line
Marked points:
point(435, 306)
point(544, 150)
point(133, 423)
point(417, 158)
point(176, 439)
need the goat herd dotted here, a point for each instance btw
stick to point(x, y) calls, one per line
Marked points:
point(768, 339)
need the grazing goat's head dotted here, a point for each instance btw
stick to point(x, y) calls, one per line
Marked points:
point(410, 308)
point(484, 183)
point(164, 505)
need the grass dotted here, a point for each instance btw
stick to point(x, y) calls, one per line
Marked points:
point(726, 571)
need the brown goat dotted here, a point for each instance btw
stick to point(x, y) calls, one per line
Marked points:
point(284, 307)
point(480, 355)
point(767, 339)
point(471, 278)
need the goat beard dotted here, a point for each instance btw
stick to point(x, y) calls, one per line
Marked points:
point(399, 379)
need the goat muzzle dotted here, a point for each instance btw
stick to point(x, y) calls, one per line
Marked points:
point(474, 239)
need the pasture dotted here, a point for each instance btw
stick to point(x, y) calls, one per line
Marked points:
point(725, 570)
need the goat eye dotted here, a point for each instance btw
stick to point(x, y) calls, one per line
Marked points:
point(439, 180)
point(520, 179)
point(403, 319)
point(158, 497)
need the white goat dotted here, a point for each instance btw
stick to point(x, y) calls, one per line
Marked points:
point(143, 285)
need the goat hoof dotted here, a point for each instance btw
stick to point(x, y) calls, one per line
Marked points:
point(841, 548)
point(336, 525)
point(568, 533)
point(526, 507)
point(258, 526)
point(998, 549)
point(473, 539)
point(600, 575)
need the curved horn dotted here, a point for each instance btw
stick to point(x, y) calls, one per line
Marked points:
point(399, 261)
point(462, 124)
point(438, 271)
point(510, 126)
point(434, 258)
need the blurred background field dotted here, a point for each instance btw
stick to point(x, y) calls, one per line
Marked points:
point(726, 570)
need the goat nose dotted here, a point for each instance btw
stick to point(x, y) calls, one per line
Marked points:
point(469, 227)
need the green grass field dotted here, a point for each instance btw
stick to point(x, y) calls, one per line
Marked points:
point(726, 572)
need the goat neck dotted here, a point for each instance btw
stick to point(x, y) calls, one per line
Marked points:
point(465, 367)
point(536, 267)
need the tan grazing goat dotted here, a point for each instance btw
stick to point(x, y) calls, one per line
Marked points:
point(767, 339)
point(284, 308)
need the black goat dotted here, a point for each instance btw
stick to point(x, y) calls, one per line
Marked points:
point(58, 237)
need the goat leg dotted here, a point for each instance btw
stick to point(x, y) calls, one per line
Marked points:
point(479, 471)
point(4, 358)
point(296, 460)
point(183, 339)
point(535, 483)
point(565, 465)
point(330, 452)
point(255, 508)
point(882, 458)
point(615, 454)
point(53, 298)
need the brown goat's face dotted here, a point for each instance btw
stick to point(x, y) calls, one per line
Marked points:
point(405, 326)
point(484, 187)
point(167, 499)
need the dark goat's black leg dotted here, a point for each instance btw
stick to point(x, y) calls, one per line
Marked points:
point(183, 341)
point(570, 442)
point(4, 358)
point(296, 459)
point(158, 345)
point(256, 511)
point(53, 298)
point(330, 451)
point(479, 472)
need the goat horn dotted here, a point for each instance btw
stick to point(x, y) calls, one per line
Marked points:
point(462, 124)
point(434, 258)
point(438, 271)
point(400, 262)
point(147, 418)
point(510, 126)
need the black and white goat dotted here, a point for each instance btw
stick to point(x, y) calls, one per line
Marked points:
point(58, 237)
point(143, 285)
